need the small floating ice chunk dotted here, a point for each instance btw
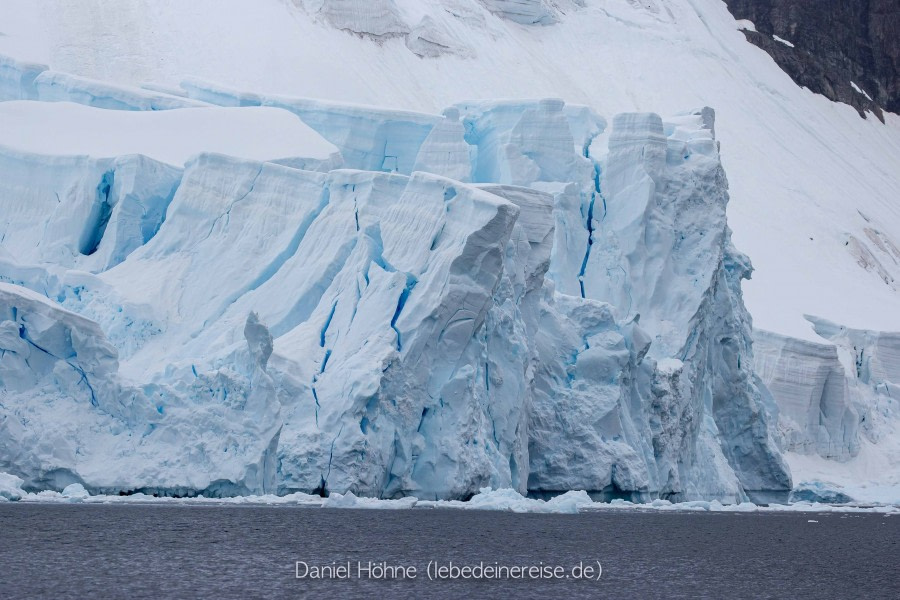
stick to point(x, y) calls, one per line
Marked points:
point(75, 491)
point(350, 500)
point(11, 487)
point(512, 501)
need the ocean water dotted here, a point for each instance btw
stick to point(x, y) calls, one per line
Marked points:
point(165, 551)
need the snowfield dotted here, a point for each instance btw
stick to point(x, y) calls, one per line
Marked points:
point(214, 284)
point(170, 136)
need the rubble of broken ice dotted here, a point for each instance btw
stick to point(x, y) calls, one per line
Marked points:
point(506, 500)
point(510, 295)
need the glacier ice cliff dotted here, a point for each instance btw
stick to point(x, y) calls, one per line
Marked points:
point(32, 81)
point(832, 395)
point(53, 86)
point(815, 412)
point(17, 79)
point(511, 294)
point(369, 138)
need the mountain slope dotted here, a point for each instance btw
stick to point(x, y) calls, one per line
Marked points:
point(848, 51)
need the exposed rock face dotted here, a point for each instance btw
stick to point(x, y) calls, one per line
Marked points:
point(834, 43)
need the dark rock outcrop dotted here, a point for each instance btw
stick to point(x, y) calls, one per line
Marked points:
point(835, 42)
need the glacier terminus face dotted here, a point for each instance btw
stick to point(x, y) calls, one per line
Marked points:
point(511, 294)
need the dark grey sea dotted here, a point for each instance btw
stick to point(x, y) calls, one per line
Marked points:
point(165, 551)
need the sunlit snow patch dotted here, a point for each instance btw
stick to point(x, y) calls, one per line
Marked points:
point(860, 91)
point(782, 41)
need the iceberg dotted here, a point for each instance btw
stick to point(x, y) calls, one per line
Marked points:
point(818, 492)
point(11, 487)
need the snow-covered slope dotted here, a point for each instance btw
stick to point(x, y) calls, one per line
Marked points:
point(170, 136)
point(813, 202)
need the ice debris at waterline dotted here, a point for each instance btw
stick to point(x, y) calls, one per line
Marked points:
point(512, 294)
point(506, 500)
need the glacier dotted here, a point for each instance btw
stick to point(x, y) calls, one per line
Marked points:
point(816, 413)
point(837, 409)
point(512, 294)
point(617, 56)
point(811, 201)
